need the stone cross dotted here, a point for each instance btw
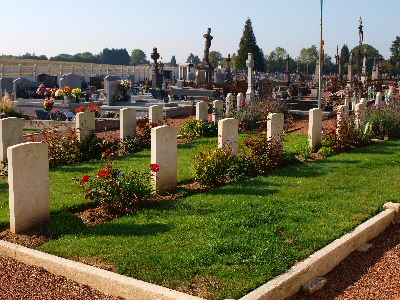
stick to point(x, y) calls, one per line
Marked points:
point(250, 67)
point(208, 38)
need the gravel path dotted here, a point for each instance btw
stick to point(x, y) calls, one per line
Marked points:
point(20, 281)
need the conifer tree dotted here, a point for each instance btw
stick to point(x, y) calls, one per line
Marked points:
point(248, 44)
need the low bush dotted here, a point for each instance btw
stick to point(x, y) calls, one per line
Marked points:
point(211, 167)
point(385, 119)
point(115, 189)
point(8, 109)
point(194, 129)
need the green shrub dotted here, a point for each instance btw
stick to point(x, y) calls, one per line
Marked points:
point(255, 113)
point(212, 167)
point(194, 129)
point(9, 109)
point(385, 119)
point(115, 189)
point(264, 154)
point(346, 136)
point(326, 151)
point(64, 223)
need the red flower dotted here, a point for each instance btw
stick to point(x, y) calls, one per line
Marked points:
point(245, 141)
point(85, 178)
point(102, 173)
point(153, 125)
point(155, 168)
point(136, 200)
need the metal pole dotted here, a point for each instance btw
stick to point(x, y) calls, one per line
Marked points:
point(320, 59)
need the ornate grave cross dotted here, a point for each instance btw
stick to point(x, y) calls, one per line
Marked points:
point(154, 56)
point(208, 38)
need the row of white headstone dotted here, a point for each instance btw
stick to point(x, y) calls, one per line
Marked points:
point(28, 172)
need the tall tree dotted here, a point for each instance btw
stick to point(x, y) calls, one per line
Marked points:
point(115, 56)
point(138, 57)
point(308, 58)
point(248, 44)
point(233, 61)
point(371, 54)
point(216, 57)
point(276, 60)
point(173, 61)
point(194, 59)
point(395, 51)
point(345, 55)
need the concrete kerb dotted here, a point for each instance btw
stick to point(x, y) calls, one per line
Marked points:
point(324, 260)
point(281, 287)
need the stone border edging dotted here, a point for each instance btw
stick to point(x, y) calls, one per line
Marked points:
point(281, 287)
point(324, 260)
point(104, 281)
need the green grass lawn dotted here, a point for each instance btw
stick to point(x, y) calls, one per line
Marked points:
point(232, 239)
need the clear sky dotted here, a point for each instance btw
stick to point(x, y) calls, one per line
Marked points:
point(176, 27)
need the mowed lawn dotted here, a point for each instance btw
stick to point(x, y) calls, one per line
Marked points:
point(228, 241)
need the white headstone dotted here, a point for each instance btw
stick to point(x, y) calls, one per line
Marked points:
point(156, 113)
point(29, 185)
point(164, 153)
point(218, 110)
point(250, 83)
point(202, 111)
point(127, 122)
point(228, 130)
point(275, 124)
point(11, 133)
point(239, 99)
point(229, 102)
point(342, 114)
point(378, 98)
point(85, 124)
point(315, 128)
point(359, 115)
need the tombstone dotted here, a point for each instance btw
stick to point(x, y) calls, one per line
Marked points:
point(127, 122)
point(85, 124)
point(218, 110)
point(29, 185)
point(164, 153)
point(205, 69)
point(191, 76)
point(6, 84)
point(22, 85)
point(219, 77)
point(96, 81)
point(156, 77)
point(378, 98)
point(389, 96)
point(239, 99)
point(202, 111)
point(342, 114)
point(228, 102)
point(48, 81)
point(275, 125)
point(111, 88)
point(156, 113)
point(315, 128)
point(250, 83)
point(359, 111)
point(72, 80)
point(228, 130)
point(11, 133)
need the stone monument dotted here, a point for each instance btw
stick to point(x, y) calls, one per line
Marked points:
point(205, 69)
point(250, 83)
point(156, 77)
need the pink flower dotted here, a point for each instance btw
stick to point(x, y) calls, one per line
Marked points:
point(136, 200)
point(154, 168)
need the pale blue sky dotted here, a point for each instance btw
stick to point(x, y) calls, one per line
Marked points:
point(176, 27)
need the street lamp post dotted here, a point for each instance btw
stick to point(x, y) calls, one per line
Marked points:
point(320, 58)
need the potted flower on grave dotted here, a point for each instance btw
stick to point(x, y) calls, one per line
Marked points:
point(48, 104)
point(76, 93)
point(58, 115)
point(124, 86)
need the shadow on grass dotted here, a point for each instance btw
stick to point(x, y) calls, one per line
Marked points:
point(118, 229)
